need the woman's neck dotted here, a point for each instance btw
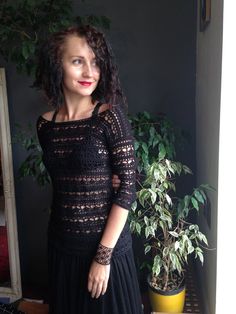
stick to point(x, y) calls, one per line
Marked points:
point(76, 107)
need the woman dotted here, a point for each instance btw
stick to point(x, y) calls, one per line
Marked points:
point(85, 139)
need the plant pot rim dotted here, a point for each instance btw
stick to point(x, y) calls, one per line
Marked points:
point(170, 292)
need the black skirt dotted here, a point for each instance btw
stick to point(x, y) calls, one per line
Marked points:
point(68, 278)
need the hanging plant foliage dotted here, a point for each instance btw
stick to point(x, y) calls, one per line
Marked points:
point(26, 23)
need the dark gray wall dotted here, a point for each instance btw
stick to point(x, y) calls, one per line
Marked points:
point(155, 45)
point(209, 113)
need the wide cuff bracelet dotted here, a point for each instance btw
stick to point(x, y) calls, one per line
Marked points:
point(103, 255)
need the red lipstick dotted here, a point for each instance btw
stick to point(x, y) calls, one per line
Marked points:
point(84, 83)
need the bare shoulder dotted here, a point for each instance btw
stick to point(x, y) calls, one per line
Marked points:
point(104, 107)
point(48, 115)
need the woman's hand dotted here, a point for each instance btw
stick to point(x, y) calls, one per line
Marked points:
point(98, 279)
point(115, 182)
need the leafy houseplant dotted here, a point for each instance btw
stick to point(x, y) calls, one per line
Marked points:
point(153, 137)
point(160, 216)
point(33, 165)
point(163, 218)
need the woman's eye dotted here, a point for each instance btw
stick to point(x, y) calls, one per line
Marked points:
point(95, 63)
point(77, 61)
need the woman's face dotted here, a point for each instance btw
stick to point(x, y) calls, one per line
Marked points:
point(80, 70)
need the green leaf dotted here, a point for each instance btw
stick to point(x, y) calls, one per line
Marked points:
point(208, 187)
point(204, 239)
point(153, 196)
point(203, 194)
point(147, 249)
point(162, 225)
point(168, 199)
point(187, 169)
point(155, 142)
point(145, 148)
point(168, 163)
point(146, 220)
point(186, 200)
point(134, 206)
point(174, 234)
point(152, 131)
point(195, 203)
point(138, 228)
point(136, 145)
point(25, 50)
point(200, 255)
point(156, 174)
point(199, 196)
point(177, 245)
point(162, 151)
point(192, 227)
point(152, 230)
point(190, 249)
point(132, 226)
point(178, 167)
point(173, 259)
point(157, 262)
point(146, 114)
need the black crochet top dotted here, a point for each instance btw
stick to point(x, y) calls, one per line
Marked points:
point(81, 156)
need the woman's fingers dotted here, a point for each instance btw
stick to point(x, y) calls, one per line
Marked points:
point(94, 289)
point(90, 284)
point(104, 287)
point(98, 290)
point(98, 279)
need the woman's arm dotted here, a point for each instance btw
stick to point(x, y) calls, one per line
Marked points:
point(121, 144)
point(115, 224)
point(115, 182)
point(99, 274)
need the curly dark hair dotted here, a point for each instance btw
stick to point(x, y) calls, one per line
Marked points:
point(49, 72)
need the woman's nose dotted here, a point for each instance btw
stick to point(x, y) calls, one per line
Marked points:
point(87, 70)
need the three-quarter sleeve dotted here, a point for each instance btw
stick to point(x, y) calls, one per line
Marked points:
point(121, 146)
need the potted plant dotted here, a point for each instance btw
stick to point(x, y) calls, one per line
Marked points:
point(164, 219)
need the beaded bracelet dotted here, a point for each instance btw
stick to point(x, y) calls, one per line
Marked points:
point(103, 255)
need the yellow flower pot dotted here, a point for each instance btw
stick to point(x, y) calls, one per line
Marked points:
point(167, 301)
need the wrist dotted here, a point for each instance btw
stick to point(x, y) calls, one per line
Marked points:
point(103, 255)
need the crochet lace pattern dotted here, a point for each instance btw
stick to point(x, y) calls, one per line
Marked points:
point(81, 156)
point(103, 255)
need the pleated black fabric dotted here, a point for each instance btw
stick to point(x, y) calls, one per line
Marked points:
point(68, 285)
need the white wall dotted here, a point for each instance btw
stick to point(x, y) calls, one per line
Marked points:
point(225, 300)
point(208, 85)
